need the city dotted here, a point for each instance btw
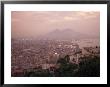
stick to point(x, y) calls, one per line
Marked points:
point(30, 55)
point(55, 43)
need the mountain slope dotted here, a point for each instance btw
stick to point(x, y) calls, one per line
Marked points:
point(66, 34)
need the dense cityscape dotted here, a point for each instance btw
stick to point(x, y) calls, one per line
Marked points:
point(32, 55)
point(55, 43)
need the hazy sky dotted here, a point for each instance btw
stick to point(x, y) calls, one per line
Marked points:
point(35, 23)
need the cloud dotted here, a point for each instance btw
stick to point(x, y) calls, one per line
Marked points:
point(69, 18)
point(34, 23)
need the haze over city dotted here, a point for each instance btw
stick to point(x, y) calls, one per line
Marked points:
point(33, 24)
point(55, 44)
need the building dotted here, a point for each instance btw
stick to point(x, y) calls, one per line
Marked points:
point(53, 58)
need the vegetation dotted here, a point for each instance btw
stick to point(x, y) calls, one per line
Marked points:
point(66, 68)
point(88, 67)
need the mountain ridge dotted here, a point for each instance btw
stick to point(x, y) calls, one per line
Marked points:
point(66, 34)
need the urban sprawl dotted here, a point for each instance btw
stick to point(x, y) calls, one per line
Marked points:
point(28, 54)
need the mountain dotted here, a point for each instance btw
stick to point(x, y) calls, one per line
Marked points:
point(66, 34)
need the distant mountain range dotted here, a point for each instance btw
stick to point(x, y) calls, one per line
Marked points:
point(66, 34)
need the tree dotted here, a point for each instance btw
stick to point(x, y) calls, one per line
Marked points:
point(66, 68)
point(90, 67)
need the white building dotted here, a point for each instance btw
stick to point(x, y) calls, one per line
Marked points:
point(53, 59)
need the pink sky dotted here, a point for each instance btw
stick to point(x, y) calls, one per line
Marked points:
point(35, 23)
